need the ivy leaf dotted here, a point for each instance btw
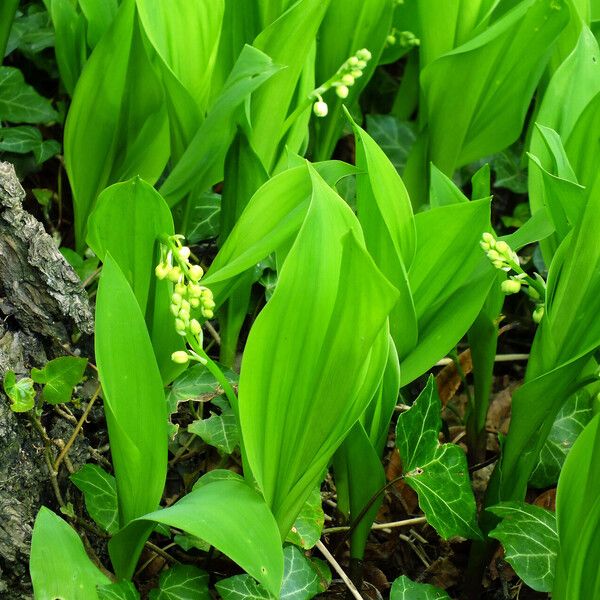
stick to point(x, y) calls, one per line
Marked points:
point(394, 137)
point(528, 534)
point(21, 393)
point(194, 383)
point(182, 582)
point(220, 431)
point(19, 102)
point(405, 589)
point(123, 590)
point(60, 376)
point(570, 421)
point(307, 529)
point(302, 580)
point(24, 139)
point(204, 215)
point(100, 495)
point(437, 472)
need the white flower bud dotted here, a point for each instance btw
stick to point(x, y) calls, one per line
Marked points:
point(361, 65)
point(390, 39)
point(180, 326)
point(363, 54)
point(208, 313)
point(195, 290)
point(347, 79)
point(342, 91)
point(162, 270)
point(174, 274)
point(356, 74)
point(352, 61)
point(184, 253)
point(538, 313)
point(176, 299)
point(194, 302)
point(180, 357)
point(320, 108)
point(510, 286)
point(185, 305)
point(503, 248)
point(181, 289)
point(174, 308)
point(195, 327)
point(196, 272)
point(184, 315)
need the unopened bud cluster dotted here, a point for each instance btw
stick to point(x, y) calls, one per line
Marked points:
point(505, 258)
point(188, 295)
point(344, 79)
point(405, 39)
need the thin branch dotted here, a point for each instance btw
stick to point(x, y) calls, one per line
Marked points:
point(392, 524)
point(338, 569)
point(213, 332)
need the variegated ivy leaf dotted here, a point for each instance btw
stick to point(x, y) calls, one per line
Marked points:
point(437, 472)
point(100, 494)
point(528, 534)
point(308, 526)
point(220, 431)
point(182, 582)
point(302, 579)
point(405, 589)
point(122, 590)
point(20, 393)
point(570, 422)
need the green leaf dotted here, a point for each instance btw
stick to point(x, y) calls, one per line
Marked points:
point(123, 590)
point(59, 566)
point(301, 581)
point(194, 383)
point(528, 534)
point(569, 423)
point(117, 126)
point(405, 589)
point(19, 102)
point(24, 139)
point(134, 401)
point(437, 472)
point(477, 95)
point(30, 33)
point(331, 359)
point(307, 528)
point(393, 136)
point(220, 431)
point(59, 377)
point(202, 163)
point(99, 14)
point(182, 582)
point(227, 514)
point(203, 220)
point(20, 393)
point(100, 494)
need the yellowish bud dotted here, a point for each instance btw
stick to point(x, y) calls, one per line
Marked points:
point(320, 108)
point(510, 286)
point(180, 357)
point(162, 270)
point(196, 272)
point(174, 274)
point(195, 327)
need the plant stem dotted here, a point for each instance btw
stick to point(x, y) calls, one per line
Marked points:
point(338, 569)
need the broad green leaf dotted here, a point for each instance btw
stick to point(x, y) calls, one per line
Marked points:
point(59, 566)
point(100, 494)
point(7, 14)
point(393, 136)
point(331, 359)
point(528, 535)
point(59, 377)
point(405, 589)
point(229, 515)
point(442, 190)
point(194, 383)
point(569, 423)
point(70, 44)
point(301, 581)
point(348, 26)
point(437, 472)
point(117, 125)
point(20, 393)
point(127, 221)
point(21, 140)
point(31, 32)
point(307, 528)
point(578, 518)
point(182, 582)
point(287, 41)
point(202, 163)
point(99, 14)
point(123, 590)
point(218, 430)
point(19, 102)
point(478, 94)
point(134, 401)
point(192, 29)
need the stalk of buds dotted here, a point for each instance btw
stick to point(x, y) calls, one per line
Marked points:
point(503, 257)
point(343, 79)
point(188, 295)
point(405, 39)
